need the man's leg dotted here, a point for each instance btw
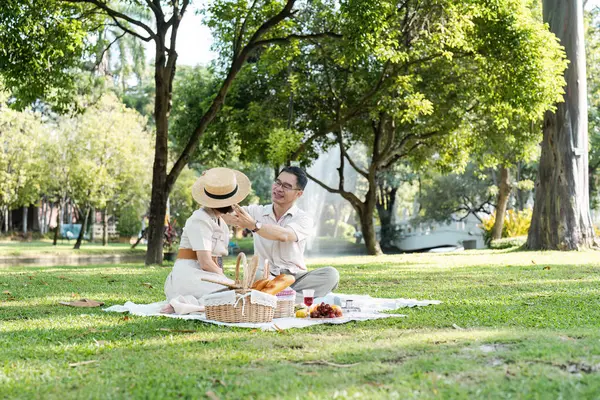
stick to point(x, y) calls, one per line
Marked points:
point(322, 280)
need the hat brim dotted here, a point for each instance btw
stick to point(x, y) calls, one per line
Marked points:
point(202, 198)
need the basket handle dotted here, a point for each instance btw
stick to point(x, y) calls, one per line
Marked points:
point(252, 268)
point(241, 258)
point(266, 270)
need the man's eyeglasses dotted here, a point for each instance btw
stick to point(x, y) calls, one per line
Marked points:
point(285, 186)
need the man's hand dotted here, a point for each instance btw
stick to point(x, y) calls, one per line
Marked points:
point(240, 218)
point(245, 220)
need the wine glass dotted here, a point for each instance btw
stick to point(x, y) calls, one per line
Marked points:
point(309, 296)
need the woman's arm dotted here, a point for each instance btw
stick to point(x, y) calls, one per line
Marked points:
point(206, 262)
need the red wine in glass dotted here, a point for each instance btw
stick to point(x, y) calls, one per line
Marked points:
point(308, 301)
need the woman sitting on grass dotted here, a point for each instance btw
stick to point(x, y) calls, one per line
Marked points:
point(205, 236)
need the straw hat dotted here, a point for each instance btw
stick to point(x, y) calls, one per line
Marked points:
point(220, 187)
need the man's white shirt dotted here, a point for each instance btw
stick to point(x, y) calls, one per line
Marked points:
point(282, 255)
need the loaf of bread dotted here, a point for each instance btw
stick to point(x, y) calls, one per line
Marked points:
point(278, 284)
point(260, 284)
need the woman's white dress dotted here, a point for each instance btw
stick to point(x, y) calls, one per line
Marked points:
point(202, 231)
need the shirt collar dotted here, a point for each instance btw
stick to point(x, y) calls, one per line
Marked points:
point(268, 210)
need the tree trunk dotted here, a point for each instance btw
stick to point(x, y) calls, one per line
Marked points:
point(6, 219)
point(160, 193)
point(25, 215)
point(367, 227)
point(385, 209)
point(42, 217)
point(503, 196)
point(58, 224)
point(561, 214)
point(83, 229)
point(104, 227)
point(92, 223)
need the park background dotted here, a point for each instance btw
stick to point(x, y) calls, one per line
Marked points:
point(414, 120)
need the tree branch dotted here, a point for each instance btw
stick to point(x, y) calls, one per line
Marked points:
point(99, 60)
point(209, 115)
point(289, 38)
point(156, 9)
point(397, 154)
point(351, 197)
point(116, 14)
point(240, 37)
point(129, 31)
point(350, 161)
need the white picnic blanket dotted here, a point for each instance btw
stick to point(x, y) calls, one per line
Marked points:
point(371, 308)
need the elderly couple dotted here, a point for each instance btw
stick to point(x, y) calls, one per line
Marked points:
point(280, 233)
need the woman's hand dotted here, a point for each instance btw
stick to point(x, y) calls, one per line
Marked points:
point(207, 263)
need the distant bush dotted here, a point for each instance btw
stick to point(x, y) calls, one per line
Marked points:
point(516, 223)
point(130, 222)
point(507, 243)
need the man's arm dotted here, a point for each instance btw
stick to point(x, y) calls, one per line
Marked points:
point(268, 231)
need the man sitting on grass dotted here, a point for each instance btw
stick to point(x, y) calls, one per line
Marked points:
point(280, 232)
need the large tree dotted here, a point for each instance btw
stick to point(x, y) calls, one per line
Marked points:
point(245, 27)
point(419, 83)
point(561, 214)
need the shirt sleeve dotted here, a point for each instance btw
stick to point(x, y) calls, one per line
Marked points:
point(252, 210)
point(199, 234)
point(302, 227)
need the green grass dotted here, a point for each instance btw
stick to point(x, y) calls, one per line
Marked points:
point(511, 325)
point(45, 247)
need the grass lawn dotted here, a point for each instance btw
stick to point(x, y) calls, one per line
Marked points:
point(511, 325)
point(45, 247)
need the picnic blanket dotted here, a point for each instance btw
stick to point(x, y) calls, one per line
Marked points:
point(370, 309)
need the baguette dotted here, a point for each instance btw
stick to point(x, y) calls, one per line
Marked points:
point(260, 284)
point(278, 284)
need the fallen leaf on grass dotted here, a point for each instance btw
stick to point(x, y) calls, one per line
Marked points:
point(126, 318)
point(74, 295)
point(220, 382)
point(77, 364)
point(64, 278)
point(177, 330)
point(330, 364)
point(212, 396)
point(565, 338)
point(148, 285)
point(82, 303)
point(7, 292)
point(100, 342)
point(546, 267)
point(509, 374)
point(457, 327)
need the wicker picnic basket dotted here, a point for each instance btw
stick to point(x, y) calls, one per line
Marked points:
point(241, 304)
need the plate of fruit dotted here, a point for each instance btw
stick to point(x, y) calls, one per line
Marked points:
point(325, 310)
